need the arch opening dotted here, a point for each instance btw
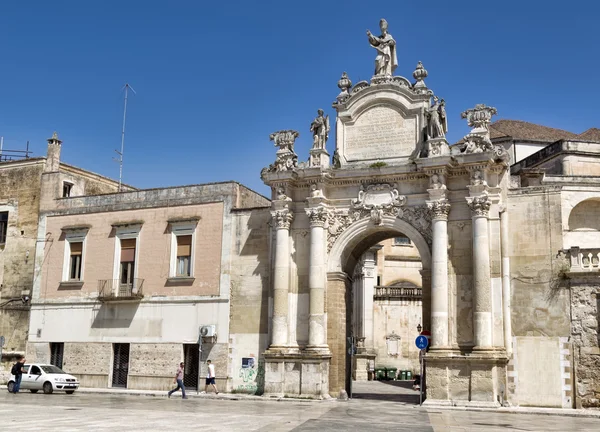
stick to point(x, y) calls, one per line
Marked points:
point(379, 293)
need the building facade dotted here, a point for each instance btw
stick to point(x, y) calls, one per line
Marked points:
point(129, 284)
point(24, 184)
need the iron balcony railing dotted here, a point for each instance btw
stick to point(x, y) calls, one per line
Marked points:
point(392, 292)
point(114, 289)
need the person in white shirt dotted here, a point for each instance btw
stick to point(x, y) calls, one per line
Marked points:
point(210, 377)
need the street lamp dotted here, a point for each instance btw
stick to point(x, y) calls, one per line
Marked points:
point(419, 328)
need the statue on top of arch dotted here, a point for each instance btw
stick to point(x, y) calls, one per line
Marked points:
point(386, 61)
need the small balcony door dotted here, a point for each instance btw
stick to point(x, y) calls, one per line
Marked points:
point(127, 267)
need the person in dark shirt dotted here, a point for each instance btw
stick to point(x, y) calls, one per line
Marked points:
point(17, 371)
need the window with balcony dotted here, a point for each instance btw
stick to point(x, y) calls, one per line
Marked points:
point(125, 284)
point(127, 263)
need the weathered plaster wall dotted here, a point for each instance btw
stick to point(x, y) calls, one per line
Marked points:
point(397, 318)
point(539, 305)
point(19, 196)
point(250, 291)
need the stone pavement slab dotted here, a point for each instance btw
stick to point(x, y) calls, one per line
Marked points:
point(99, 412)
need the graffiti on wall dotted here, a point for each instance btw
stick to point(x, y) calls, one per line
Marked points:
point(252, 375)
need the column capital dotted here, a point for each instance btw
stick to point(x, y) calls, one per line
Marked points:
point(479, 205)
point(439, 209)
point(282, 218)
point(317, 216)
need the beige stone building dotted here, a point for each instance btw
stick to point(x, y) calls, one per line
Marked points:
point(24, 183)
point(128, 284)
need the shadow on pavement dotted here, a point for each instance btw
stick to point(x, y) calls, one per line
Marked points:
point(391, 391)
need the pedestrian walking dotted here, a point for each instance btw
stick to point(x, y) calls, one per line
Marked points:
point(210, 377)
point(179, 381)
point(17, 371)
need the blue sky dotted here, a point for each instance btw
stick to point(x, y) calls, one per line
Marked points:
point(214, 79)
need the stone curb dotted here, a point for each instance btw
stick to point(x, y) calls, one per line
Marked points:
point(193, 395)
point(563, 412)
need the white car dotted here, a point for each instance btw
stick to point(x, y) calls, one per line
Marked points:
point(45, 377)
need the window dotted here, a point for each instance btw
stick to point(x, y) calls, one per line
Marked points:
point(127, 266)
point(75, 261)
point(67, 187)
point(127, 249)
point(3, 226)
point(184, 256)
point(35, 370)
point(56, 354)
point(401, 241)
point(183, 235)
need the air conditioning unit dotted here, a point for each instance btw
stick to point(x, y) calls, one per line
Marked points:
point(208, 330)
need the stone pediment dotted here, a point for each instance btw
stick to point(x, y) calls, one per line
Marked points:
point(380, 123)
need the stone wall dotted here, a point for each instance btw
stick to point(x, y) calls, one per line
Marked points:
point(19, 196)
point(90, 362)
point(153, 366)
point(585, 308)
point(399, 318)
point(249, 307)
point(335, 308)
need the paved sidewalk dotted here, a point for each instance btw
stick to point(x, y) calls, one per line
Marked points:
point(192, 394)
point(389, 391)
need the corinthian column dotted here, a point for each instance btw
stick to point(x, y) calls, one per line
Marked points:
point(439, 273)
point(316, 278)
point(282, 220)
point(482, 290)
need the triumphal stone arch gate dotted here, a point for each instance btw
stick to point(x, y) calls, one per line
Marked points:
point(392, 171)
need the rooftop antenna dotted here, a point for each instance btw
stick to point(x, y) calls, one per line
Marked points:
point(127, 87)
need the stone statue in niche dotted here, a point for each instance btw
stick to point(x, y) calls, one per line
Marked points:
point(315, 191)
point(281, 195)
point(336, 159)
point(386, 60)
point(436, 182)
point(437, 123)
point(320, 130)
point(477, 179)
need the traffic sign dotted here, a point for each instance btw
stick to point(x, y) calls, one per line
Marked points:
point(421, 342)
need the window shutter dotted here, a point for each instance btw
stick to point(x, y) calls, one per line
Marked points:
point(184, 245)
point(76, 248)
point(128, 250)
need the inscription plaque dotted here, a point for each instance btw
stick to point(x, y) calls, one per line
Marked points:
point(380, 133)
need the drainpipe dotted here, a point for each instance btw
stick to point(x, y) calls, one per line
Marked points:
point(506, 309)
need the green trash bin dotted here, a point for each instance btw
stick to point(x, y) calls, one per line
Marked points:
point(379, 373)
point(409, 375)
point(391, 373)
point(403, 375)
